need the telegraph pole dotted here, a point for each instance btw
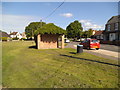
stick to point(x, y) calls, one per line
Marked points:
point(40, 23)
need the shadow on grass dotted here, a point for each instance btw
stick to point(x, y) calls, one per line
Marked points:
point(72, 52)
point(33, 47)
point(90, 60)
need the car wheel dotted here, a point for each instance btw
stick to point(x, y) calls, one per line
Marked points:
point(97, 48)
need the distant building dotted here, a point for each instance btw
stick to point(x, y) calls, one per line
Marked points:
point(112, 29)
point(48, 39)
point(94, 31)
point(15, 35)
point(24, 35)
point(99, 35)
point(4, 34)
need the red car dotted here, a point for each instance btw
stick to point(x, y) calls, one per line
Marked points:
point(91, 43)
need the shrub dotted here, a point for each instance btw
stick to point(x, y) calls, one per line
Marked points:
point(4, 38)
point(15, 38)
point(22, 39)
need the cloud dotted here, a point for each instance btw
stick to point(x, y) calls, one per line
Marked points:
point(87, 24)
point(17, 22)
point(67, 15)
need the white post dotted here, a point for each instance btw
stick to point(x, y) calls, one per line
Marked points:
point(38, 41)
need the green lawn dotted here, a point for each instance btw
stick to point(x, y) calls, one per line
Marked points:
point(25, 67)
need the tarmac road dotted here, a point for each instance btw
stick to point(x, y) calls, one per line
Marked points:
point(110, 47)
point(106, 51)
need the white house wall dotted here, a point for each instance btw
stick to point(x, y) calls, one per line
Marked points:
point(112, 36)
point(18, 35)
point(12, 36)
point(101, 37)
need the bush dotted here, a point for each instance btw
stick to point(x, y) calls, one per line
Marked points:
point(22, 39)
point(4, 38)
point(15, 38)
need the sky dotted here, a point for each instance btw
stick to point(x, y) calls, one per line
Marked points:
point(17, 15)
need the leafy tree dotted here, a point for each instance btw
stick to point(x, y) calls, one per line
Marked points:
point(30, 29)
point(87, 34)
point(74, 30)
point(90, 32)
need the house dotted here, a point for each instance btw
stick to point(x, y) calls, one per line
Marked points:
point(98, 35)
point(112, 29)
point(24, 35)
point(15, 35)
point(93, 32)
point(47, 36)
point(5, 36)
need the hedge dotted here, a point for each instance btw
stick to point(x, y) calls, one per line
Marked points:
point(15, 38)
point(4, 38)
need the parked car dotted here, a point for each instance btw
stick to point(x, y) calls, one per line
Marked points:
point(67, 40)
point(91, 43)
point(82, 39)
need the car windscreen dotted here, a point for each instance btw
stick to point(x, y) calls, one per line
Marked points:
point(94, 41)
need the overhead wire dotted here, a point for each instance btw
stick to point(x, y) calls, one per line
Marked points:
point(54, 10)
point(50, 13)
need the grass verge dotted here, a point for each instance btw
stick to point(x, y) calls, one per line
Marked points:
point(27, 67)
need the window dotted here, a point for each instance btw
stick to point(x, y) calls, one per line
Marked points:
point(94, 41)
point(116, 26)
point(108, 27)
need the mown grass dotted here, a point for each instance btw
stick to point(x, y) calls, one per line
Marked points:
point(25, 67)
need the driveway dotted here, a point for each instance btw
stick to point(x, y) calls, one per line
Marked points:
point(106, 51)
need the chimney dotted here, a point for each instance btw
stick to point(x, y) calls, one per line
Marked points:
point(10, 32)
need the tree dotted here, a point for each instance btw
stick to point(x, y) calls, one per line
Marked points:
point(87, 34)
point(90, 32)
point(30, 29)
point(74, 30)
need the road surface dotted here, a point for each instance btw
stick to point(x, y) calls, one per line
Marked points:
point(106, 51)
point(110, 47)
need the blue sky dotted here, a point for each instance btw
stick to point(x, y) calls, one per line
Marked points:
point(17, 15)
